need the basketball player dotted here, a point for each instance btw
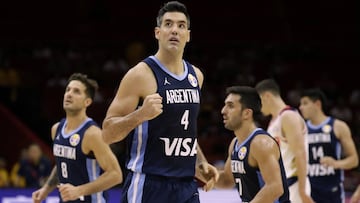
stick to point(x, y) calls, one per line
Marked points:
point(328, 138)
point(288, 127)
point(156, 109)
point(85, 165)
point(254, 160)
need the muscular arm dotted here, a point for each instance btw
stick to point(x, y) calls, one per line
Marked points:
point(293, 128)
point(350, 159)
point(122, 115)
point(226, 178)
point(265, 153)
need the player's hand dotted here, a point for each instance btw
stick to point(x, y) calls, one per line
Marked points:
point(328, 161)
point(306, 198)
point(39, 195)
point(152, 106)
point(69, 192)
point(209, 174)
point(355, 198)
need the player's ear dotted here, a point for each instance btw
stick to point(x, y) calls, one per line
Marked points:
point(157, 32)
point(88, 101)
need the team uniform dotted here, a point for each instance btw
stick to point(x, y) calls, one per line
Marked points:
point(73, 166)
point(248, 179)
point(162, 151)
point(326, 182)
point(288, 156)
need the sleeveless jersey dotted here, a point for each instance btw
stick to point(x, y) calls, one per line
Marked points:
point(323, 142)
point(287, 154)
point(73, 166)
point(248, 179)
point(166, 145)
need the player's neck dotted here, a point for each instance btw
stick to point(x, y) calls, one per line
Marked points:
point(74, 120)
point(173, 62)
point(245, 131)
point(278, 106)
point(318, 119)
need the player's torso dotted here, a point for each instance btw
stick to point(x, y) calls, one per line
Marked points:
point(323, 142)
point(248, 179)
point(73, 166)
point(168, 143)
point(288, 156)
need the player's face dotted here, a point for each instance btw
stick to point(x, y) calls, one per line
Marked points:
point(173, 34)
point(232, 112)
point(307, 107)
point(75, 97)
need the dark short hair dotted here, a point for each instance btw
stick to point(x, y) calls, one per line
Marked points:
point(268, 85)
point(90, 84)
point(315, 94)
point(249, 98)
point(172, 6)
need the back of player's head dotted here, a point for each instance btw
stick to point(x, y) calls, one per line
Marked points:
point(249, 98)
point(268, 85)
point(315, 94)
point(172, 6)
point(90, 84)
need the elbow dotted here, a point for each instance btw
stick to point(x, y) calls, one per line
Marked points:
point(278, 191)
point(106, 135)
point(356, 162)
point(117, 177)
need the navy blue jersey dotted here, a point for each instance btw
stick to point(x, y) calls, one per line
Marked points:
point(73, 166)
point(166, 145)
point(323, 142)
point(248, 179)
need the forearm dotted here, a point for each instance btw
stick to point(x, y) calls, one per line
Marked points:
point(349, 162)
point(301, 165)
point(200, 157)
point(224, 181)
point(117, 128)
point(268, 193)
point(107, 180)
point(52, 181)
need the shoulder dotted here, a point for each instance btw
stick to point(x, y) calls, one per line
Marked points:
point(139, 80)
point(291, 116)
point(263, 144)
point(53, 129)
point(340, 126)
point(199, 75)
point(139, 71)
point(93, 130)
point(263, 141)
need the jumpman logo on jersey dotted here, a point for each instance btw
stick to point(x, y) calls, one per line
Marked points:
point(57, 136)
point(166, 82)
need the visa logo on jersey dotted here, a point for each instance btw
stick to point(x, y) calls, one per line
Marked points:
point(180, 146)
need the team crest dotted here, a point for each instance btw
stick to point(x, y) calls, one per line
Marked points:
point(242, 153)
point(74, 139)
point(326, 129)
point(193, 81)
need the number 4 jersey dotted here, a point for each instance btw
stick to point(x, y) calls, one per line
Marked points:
point(166, 145)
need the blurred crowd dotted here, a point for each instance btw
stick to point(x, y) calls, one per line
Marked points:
point(32, 79)
point(31, 170)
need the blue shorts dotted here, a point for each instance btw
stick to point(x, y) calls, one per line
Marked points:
point(141, 188)
point(333, 195)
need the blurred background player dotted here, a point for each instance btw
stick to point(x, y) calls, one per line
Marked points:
point(331, 148)
point(288, 127)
